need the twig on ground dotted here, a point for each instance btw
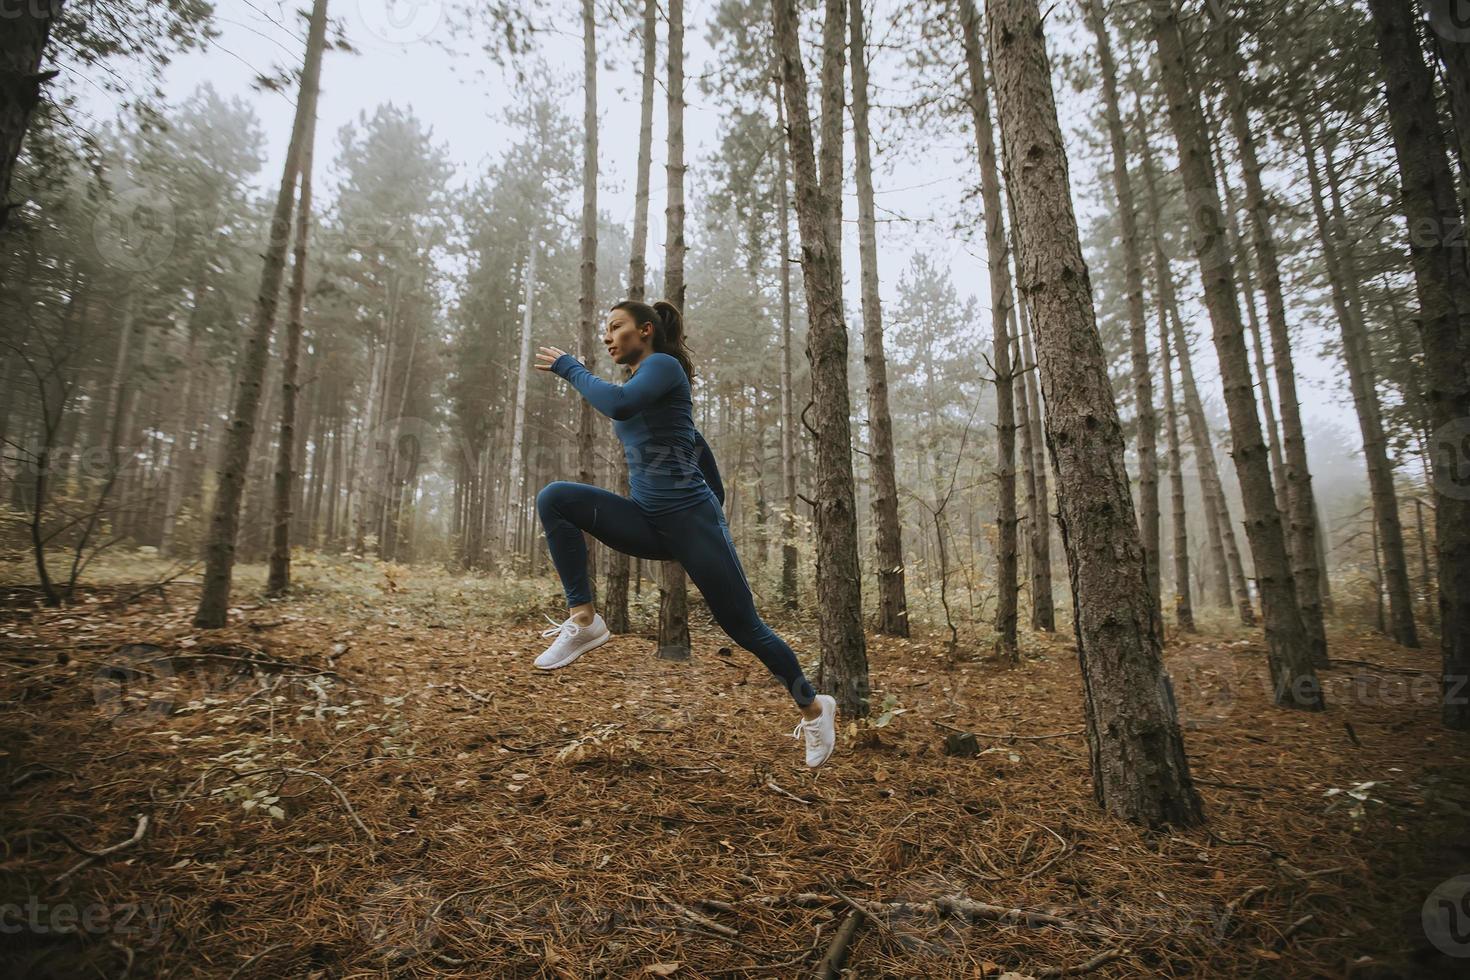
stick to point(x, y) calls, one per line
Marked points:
point(1008, 736)
point(1107, 956)
point(771, 785)
point(251, 962)
point(836, 956)
point(91, 856)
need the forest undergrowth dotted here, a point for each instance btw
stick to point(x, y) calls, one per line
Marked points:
point(369, 778)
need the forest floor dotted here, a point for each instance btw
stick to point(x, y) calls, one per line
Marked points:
point(369, 778)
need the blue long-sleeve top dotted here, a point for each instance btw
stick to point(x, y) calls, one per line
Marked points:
point(670, 466)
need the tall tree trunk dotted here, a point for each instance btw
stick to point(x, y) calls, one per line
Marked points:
point(1209, 477)
point(1358, 358)
point(790, 441)
point(844, 670)
point(1258, 350)
point(1289, 649)
point(22, 46)
point(893, 617)
point(1043, 606)
point(999, 261)
point(1448, 41)
point(673, 609)
point(1143, 395)
point(1139, 769)
point(1299, 496)
point(516, 493)
point(278, 578)
point(1443, 286)
point(224, 524)
point(637, 261)
point(1183, 604)
point(615, 603)
point(587, 334)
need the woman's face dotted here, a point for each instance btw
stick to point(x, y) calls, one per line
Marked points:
point(626, 342)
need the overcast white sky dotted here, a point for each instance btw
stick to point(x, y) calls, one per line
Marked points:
point(410, 55)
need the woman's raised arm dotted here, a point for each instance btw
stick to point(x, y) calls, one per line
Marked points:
point(655, 377)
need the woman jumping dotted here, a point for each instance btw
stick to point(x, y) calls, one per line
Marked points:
point(677, 508)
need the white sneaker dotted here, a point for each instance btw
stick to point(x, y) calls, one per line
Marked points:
point(572, 641)
point(821, 733)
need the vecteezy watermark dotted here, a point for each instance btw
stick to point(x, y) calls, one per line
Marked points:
point(134, 230)
point(1450, 19)
point(135, 686)
point(397, 916)
point(140, 922)
point(1446, 916)
point(1449, 450)
point(400, 21)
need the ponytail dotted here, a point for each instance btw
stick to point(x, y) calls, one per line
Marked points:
point(668, 329)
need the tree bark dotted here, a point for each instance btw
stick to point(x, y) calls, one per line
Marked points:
point(1143, 396)
point(589, 320)
point(1183, 604)
point(516, 492)
point(278, 578)
point(673, 616)
point(615, 603)
point(844, 669)
point(1289, 649)
point(224, 524)
point(1204, 454)
point(790, 440)
point(1299, 497)
point(1043, 605)
point(999, 262)
point(1358, 358)
point(637, 261)
point(893, 617)
point(1139, 768)
point(1436, 250)
point(22, 46)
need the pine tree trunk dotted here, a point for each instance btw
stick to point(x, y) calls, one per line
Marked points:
point(615, 603)
point(673, 615)
point(278, 578)
point(1300, 499)
point(844, 669)
point(999, 262)
point(1139, 769)
point(637, 262)
point(588, 324)
point(22, 45)
point(1358, 358)
point(1220, 531)
point(1043, 605)
point(1258, 350)
point(892, 603)
point(790, 441)
point(1443, 286)
point(1289, 648)
point(1183, 604)
point(1143, 396)
point(516, 493)
point(224, 524)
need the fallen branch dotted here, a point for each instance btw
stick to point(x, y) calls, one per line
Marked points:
point(91, 856)
point(1107, 956)
point(1235, 903)
point(771, 785)
point(1008, 736)
point(701, 920)
point(959, 906)
point(836, 956)
point(478, 697)
point(1383, 667)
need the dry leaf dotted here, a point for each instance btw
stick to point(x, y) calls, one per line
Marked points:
point(662, 969)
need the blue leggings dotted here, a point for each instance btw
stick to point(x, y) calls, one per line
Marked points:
point(696, 537)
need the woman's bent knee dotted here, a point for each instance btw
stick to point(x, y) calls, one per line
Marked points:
point(550, 495)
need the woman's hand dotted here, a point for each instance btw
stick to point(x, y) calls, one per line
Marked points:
point(546, 356)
